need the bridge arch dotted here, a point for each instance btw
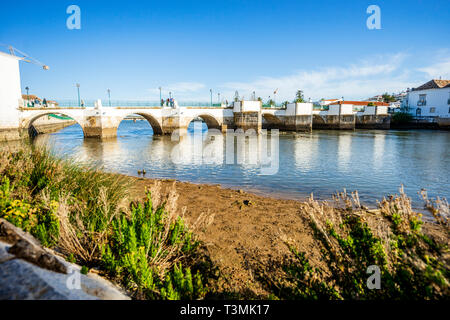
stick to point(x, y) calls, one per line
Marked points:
point(209, 119)
point(154, 123)
point(271, 121)
point(26, 123)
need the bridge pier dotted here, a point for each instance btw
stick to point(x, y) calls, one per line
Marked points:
point(247, 115)
point(340, 117)
point(99, 128)
point(98, 125)
point(373, 117)
point(299, 117)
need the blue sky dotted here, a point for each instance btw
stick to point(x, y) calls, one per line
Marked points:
point(187, 47)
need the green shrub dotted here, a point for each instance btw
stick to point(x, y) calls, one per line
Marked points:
point(145, 251)
point(401, 117)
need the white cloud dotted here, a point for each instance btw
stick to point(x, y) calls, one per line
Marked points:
point(357, 81)
point(360, 80)
point(438, 69)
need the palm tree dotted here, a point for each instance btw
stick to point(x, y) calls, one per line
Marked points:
point(299, 97)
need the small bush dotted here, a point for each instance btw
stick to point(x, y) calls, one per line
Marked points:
point(146, 250)
point(401, 117)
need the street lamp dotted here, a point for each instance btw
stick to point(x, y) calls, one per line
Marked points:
point(210, 91)
point(170, 95)
point(109, 97)
point(160, 97)
point(78, 89)
point(28, 96)
point(218, 97)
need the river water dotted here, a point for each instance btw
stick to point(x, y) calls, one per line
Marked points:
point(376, 163)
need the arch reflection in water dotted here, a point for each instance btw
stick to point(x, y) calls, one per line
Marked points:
point(344, 151)
point(378, 150)
point(246, 149)
point(305, 151)
point(200, 146)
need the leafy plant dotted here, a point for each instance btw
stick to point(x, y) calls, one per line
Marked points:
point(146, 251)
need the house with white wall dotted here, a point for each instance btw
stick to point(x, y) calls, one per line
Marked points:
point(430, 100)
point(10, 95)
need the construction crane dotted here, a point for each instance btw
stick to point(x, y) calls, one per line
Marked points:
point(25, 56)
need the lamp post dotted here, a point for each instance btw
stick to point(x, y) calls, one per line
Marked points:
point(210, 91)
point(28, 96)
point(109, 96)
point(78, 89)
point(218, 97)
point(160, 96)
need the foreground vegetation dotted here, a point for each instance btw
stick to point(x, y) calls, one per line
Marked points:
point(89, 217)
point(356, 242)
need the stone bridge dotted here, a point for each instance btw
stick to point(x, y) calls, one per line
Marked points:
point(102, 122)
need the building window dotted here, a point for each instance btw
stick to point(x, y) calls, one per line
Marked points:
point(418, 112)
point(449, 109)
point(422, 100)
point(432, 110)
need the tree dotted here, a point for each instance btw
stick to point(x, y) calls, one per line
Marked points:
point(388, 98)
point(371, 104)
point(299, 96)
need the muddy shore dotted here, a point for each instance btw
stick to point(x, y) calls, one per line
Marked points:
point(243, 227)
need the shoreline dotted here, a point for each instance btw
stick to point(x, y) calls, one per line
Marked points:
point(269, 195)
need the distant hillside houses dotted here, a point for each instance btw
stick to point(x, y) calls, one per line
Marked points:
point(31, 100)
point(431, 100)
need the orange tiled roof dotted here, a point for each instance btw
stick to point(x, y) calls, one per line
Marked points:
point(363, 103)
point(30, 97)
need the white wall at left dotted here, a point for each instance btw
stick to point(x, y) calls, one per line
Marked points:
point(10, 92)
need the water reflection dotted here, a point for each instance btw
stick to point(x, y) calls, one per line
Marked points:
point(305, 151)
point(378, 150)
point(344, 151)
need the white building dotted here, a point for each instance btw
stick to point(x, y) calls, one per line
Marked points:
point(10, 95)
point(431, 99)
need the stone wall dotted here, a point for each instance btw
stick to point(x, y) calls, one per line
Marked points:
point(339, 122)
point(248, 120)
point(373, 122)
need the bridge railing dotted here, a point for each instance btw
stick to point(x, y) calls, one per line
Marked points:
point(132, 103)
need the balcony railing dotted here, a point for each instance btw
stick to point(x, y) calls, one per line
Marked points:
point(422, 103)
